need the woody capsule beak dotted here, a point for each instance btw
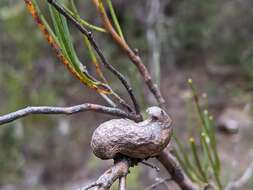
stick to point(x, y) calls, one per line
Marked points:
point(158, 114)
point(155, 112)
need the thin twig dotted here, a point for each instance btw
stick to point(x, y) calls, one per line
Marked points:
point(117, 171)
point(151, 165)
point(90, 37)
point(133, 55)
point(122, 183)
point(108, 100)
point(159, 182)
point(66, 110)
point(95, 184)
point(237, 184)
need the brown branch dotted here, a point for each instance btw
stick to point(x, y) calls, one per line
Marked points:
point(90, 37)
point(118, 171)
point(133, 55)
point(67, 110)
point(175, 170)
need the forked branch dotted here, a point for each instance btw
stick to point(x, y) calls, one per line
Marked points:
point(99, 87)
point(118, 171)
point(67, 111)
point(133, 55)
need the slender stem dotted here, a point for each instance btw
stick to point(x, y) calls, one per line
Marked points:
point(89, 35)
point(155, 185)
point(216, 173)
point(122, 183)
point(212, 137)
point(197, 160)
point(121, 101)
point(118, 171)
point(151, 165)
point(188, 171)
point(197, 103)
point(87, 43)
point(67, 111)
point(81, 21)
point(133, 55)
point(94, 59)
point(108, 100)
point(188, 165)
point(114, 18)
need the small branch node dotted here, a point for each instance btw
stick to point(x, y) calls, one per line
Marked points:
point(136, 51)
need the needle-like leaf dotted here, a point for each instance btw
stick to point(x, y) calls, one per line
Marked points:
point(64, 49)
point(114, 18)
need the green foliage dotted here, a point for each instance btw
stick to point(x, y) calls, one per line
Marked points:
point(114, 18)
point(61, 42)
point(194, 20)
point(203, 165)
point(247, 63)
point(133, 180)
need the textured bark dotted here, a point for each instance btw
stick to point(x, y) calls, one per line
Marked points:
point(119, 171)
point(136, 140)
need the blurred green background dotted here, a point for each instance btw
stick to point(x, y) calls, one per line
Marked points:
point(209, 41)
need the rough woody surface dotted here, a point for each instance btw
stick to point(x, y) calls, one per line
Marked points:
point(136, 140)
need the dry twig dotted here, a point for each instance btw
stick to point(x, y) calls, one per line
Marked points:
point(66, 110)
point(151, 165)
point(118, 171)
point(237, 184)
point(159, 182)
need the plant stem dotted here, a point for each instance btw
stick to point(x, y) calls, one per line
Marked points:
point(114, 18)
